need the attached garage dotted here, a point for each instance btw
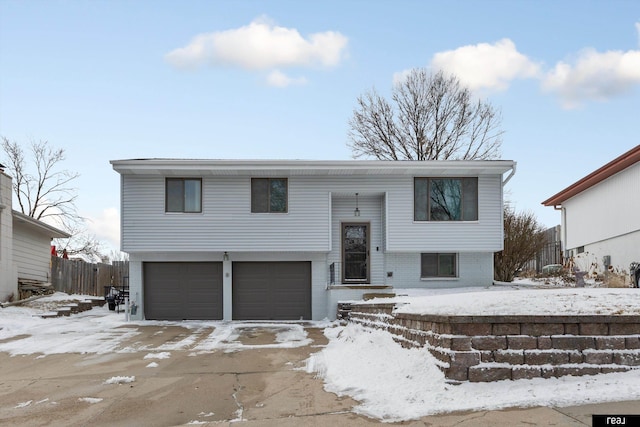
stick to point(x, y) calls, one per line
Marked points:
point(183, 290)
point(271, 290)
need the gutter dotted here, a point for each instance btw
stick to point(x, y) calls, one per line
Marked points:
point(513, 172)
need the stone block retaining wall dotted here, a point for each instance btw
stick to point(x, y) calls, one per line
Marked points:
point(492, 348)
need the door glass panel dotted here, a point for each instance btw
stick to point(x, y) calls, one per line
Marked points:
point(355, 249)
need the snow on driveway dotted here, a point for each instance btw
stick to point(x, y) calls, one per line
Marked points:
point(100, 331)
point(390, 382)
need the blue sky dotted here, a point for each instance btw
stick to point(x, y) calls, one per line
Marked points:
point(279, 79)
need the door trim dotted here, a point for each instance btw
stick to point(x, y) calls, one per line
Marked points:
point(366, 280)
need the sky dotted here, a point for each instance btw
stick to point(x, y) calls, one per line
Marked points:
point(114, 79)
point(356, 361)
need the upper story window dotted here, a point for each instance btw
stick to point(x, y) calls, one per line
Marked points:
point(269, 195)
point(183, 195)
point(445, 199)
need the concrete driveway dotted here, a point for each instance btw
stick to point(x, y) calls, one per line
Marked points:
point(259, 386)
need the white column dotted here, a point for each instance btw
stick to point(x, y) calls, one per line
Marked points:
point(227, 299)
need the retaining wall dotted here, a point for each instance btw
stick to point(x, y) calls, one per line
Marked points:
point(492, 348)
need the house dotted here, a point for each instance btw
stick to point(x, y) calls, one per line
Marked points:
point(25, 244)
point(288, 239)
point(599, 213)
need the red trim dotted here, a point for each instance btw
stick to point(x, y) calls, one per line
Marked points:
point(613, 167)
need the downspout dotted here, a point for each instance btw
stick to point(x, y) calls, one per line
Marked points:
point(513, 172)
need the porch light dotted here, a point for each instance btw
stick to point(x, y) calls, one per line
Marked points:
point(357, 211)
point(225, 257)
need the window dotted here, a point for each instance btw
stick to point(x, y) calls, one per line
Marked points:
point(438, 265)
point(183, 195)
point(269, 195)
point(445, 199)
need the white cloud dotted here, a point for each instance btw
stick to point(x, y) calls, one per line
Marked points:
point(279, 79)
point(486, 66)
point(261, 45)
point(106, 227)
point(594, 76)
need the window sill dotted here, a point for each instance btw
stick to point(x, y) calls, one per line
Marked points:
point(363, 286)
point(439, 279)
point(475, 221)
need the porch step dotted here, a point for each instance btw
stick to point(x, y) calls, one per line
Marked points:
point(373, 295)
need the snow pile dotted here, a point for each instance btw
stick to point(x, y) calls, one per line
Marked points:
point(396, 384)
point(120, 380)
point(90, 399)
point(163, 355)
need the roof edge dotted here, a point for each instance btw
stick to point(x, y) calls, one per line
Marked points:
point(618, 164)
point(53, 231)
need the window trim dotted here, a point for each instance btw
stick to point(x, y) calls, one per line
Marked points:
point(462, 198)
point(456, 259)
point(269, 211)
point(166, 195)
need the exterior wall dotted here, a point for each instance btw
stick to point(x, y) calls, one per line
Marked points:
point(309, 231)
point(474, 269)
point(604, 219)
point(370, 212)
point(623, 250)
point(8, 273)
point(227, 224)
point(405, 235)
point(318, 274)
point(32, 253)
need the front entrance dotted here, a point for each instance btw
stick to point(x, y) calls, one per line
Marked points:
point(355, 253)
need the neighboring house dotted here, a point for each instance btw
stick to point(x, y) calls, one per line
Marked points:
point(25, 244)
point(288, 239)
point(600, 213)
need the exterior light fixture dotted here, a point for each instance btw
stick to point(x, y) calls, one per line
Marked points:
point(225, 257)
point(356, 212)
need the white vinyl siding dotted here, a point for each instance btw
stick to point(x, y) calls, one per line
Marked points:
point(31, 253)
point(485, 234)
point(227, 224)
point(606, 210)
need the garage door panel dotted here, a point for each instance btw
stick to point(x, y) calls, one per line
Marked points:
point(183, 290)
point(271, 290)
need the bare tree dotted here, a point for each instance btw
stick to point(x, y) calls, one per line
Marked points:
point(523, 239)
point(44, 191)
point(431, 117)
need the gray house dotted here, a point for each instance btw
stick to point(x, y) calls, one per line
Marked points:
point(288, 239)
point(25, 244)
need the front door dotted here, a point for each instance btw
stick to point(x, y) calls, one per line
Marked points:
point(355, 253)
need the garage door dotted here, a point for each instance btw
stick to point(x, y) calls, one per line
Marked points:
point(183, 290)
point(271, 290)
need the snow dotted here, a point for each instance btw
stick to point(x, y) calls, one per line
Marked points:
point(395, 384)
point(389, 382)
point(120, 380)
point(90, 399)
point(567, 301)
point(163, 355)
point(152, 365)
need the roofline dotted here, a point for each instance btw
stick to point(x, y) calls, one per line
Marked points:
point(53, 231)
point(613, 167)
point(366, 166)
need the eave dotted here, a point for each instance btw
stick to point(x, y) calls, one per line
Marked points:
point(613, 167)
point(41, 227)
point(173, 167)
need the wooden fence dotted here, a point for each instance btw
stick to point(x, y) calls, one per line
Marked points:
point(79, 277)
point(550, 254)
